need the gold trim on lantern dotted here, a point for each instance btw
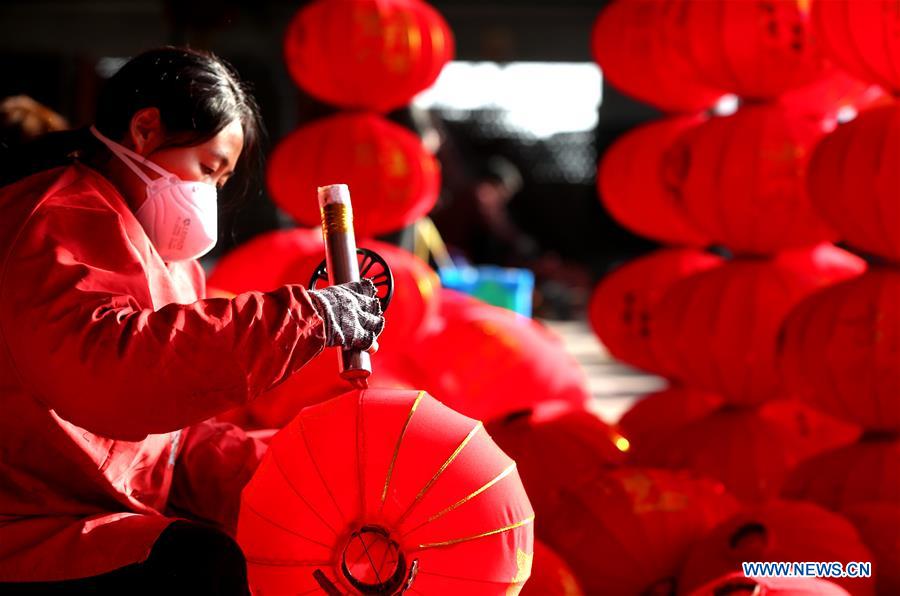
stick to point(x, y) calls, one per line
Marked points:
point(525, 521)
point(387, 480)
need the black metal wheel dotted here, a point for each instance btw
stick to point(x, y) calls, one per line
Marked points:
point(371, 266)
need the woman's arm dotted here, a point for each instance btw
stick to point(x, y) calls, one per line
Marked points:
point(82, 343)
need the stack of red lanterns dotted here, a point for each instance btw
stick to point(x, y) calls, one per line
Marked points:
point(713, 325)
point(841, 347)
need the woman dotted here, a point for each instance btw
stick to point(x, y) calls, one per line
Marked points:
point(111, 361)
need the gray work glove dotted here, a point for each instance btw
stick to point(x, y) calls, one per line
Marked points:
point(351, 312)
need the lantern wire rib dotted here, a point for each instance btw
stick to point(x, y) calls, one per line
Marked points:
point(390, 472)
point(428, 545)
point(465, 499)
point(318, 471)
point(263, 562)
point(300, 496)
point(440, 471)
point(283, 527)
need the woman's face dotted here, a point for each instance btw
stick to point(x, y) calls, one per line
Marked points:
point(212, 161)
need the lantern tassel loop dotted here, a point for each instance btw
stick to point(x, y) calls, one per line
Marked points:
point(341, 265)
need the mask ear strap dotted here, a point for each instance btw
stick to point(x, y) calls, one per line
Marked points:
point(129, 157)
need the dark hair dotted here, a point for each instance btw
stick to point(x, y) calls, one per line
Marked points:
point(197, 95)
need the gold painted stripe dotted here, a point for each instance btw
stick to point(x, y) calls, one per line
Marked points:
point(466, 499)
point(525, 521)
point(387, 481)
point(440, 471)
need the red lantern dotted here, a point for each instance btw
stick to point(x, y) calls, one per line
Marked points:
point(777, 531)
point(741, 178)
point(811, 431)
point(879, 526)
point(394, 180)
point(756, 48)
point(623, 304)
point(633, 43)
point(861, 37)
point(840, 349)
point(555, 448)
point(397, 476)
point(654, 417)
point(749, 454)
point(866, 471)
point(486, 361)
point(633, 185)
point(833, 94)
point(259, 263)
point(719, 328)
point(735, 584)
point(854, 180)
point(368, 54)
point(627, 531)
point(550, 576)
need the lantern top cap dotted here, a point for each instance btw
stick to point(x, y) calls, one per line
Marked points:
point(334, 194)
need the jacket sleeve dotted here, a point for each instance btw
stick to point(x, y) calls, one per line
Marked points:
point(215, 463)
point(81, 342)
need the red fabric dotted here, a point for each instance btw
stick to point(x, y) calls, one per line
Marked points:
point(634, 44)
point(428, 476)
point(840, 349)
point(781, 531)
point(861, 37)
point(392, 178)
point(622, 307)
point(854, 181)
point(633, 183)
point(369, 54)
point(106, 355)
point(742, 178)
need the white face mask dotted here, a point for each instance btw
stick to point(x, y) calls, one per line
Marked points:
point(179, 216)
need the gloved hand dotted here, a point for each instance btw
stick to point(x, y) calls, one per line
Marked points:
point(352, 314)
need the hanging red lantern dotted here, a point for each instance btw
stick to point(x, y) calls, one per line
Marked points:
point(656, 416)
point(259, 263)
point(487, 362)
point(757, 49)
point(736, 584)
point(839, 349)
point(395, 181)
point(861, 37)
point(812, 432)
point(395, 475)
point(550, 576)
point(719, 328)
point(633, 43)
point(556, 447)
point(367, 54)
point(859, 160)
point(622, 307)
point(634, 189)
point(866, 471)
point(627, 531)
point(879, 526)
point(740, 179)
point(777, 531)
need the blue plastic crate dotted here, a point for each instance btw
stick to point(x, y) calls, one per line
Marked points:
point(500, 286)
